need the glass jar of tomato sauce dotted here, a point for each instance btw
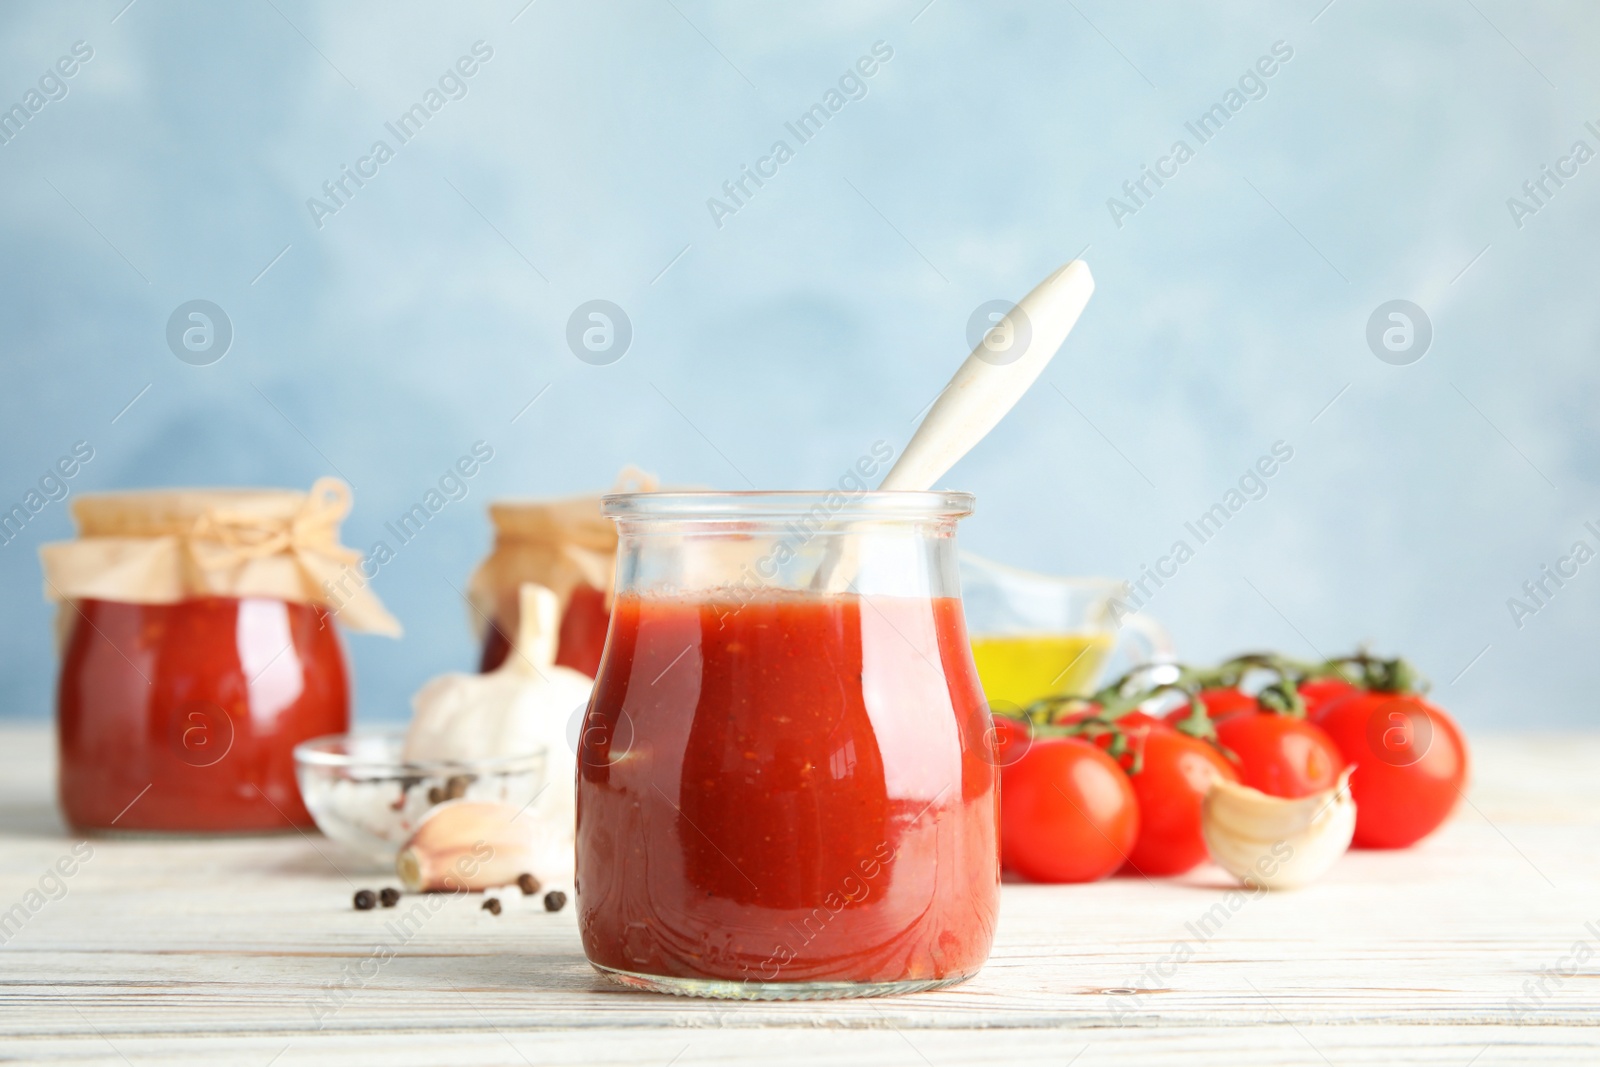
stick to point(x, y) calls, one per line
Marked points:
point(183, 717)
point(565, 545)
point(199, 648)
point(785, 788)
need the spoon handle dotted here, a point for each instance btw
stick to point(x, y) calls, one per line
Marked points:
point(1000, 369)
point(1008, 359)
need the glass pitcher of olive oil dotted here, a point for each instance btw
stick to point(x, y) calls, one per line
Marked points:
point(1037, 635)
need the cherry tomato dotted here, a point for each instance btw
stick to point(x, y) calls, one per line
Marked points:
point(1323, 693)
point(1175, 773)
point(1130, 726)
point(1280, 755)
point(1079, 713)
point(1136, 721)
point(1220, 704)
point(1010, 739)
point(1411, 764)
point(1067, 813)
point(1129, 721)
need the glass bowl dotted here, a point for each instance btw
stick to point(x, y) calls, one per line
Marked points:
point(363, 795)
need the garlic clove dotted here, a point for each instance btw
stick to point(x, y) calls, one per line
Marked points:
point(465, 845)
point(1277, 842)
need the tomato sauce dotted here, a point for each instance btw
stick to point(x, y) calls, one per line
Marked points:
point(796, 788)
point(202, 702)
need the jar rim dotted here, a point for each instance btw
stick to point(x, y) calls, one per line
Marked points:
point(377, 754)
point(746, 505)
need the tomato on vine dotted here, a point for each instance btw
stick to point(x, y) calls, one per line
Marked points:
point(1410, 764)
point(1263, 734)
point(1219, 703)
point(1009, 739)
point(1067, 812)
point(1410, 757)
point(1281, 755)
point(1170, 773)
point(1323, 693)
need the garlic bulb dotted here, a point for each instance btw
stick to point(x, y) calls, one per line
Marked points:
point(522, 706)
point(467, 844)
point(1277, 842)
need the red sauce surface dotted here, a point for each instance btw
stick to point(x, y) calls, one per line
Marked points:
point(795, 789)
point(203, 701)
point(582, 637)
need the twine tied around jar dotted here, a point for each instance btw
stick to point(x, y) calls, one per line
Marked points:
point(163, 546)
point(229, 535)
point(559, 544)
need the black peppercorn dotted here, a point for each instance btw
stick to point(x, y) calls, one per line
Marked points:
point(365, 900)
point(389, 897)
point(555, 900)
point(528, 884)
point(492, 905)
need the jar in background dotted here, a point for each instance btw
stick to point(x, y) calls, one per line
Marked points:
point(568, 547)
point(202, 701)
point(199, 648)
point(584, 618)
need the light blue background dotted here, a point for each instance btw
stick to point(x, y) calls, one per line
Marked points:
point(1231, 308)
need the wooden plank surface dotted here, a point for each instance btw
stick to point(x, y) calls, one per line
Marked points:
point(227, 951)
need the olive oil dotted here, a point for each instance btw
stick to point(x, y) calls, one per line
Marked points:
point(1022, 668)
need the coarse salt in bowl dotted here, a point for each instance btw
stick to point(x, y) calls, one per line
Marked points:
point(363, 795)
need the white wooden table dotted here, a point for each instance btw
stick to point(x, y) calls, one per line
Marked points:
point(219, 952)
